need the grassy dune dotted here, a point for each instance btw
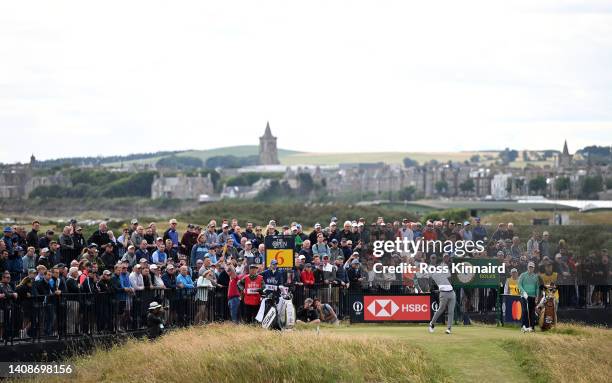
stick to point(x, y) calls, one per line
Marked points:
point(358, 353)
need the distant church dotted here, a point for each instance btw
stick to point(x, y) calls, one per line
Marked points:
point(564, 160)
point(268, 153)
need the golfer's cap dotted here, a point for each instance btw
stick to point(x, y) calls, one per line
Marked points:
point(465, 223)
point(134, 221)
point(224, 225)
point(274, 262)
point(159, 239)
point(302, 256)
point(514, 270)
point(531, 264)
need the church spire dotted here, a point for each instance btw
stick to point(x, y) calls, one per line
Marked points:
point(565, 150)
point(268, 132)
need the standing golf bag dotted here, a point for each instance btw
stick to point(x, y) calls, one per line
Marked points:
point(277, 311)
point(547, 309)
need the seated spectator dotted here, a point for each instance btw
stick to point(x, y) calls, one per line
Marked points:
point(307, 314)
point(326, 312)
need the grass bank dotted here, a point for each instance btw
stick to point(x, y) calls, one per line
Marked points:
point(356, 353)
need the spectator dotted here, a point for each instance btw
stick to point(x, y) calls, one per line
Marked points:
point(172, 234)
point(32, 236)
point(326, 313)
point(136, 278)
point(159, 256)
point(100, 236)
point(143, 251)
point(252, 287)
point(307, 314)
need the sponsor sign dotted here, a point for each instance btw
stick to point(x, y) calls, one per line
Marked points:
point(280, 247)
point(512, 309)
point(395, 308)
point(469, 275)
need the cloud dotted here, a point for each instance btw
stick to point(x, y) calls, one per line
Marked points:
point(89, 78)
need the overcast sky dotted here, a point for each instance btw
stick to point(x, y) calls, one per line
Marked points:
point(118, 77)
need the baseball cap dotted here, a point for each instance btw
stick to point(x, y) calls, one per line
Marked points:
point(274, 262)
point(92, 246)
point(465, 223)
point(355, 262)
point(173, 220)
point(253, 266)
point(106, 272)
point(302, 256)
point(153, 267)
point(134, 221)
point(531, 264)
point(142, 260)
point(514, 270)
point(334, 240)
point(73, 220)
point(7, 229)
point(317, 225)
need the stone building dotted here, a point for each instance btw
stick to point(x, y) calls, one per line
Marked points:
point(181, 187)
point(268, 152)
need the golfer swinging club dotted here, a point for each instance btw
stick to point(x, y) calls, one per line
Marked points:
point(447, 299)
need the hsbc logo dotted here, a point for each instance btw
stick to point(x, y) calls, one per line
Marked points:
point(383, 308)
point(409, 308)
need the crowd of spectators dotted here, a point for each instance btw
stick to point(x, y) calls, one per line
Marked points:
point(210, 263)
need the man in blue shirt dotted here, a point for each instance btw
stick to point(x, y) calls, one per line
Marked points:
point(273, 277)
point(172, 234)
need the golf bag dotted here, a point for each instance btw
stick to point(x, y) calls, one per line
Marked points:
point(547, 309)
point(277, 311)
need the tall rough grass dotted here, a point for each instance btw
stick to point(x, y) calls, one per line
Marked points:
point(226, 353)
point(569, 353)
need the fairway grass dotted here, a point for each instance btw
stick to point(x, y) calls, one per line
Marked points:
point(355, 353)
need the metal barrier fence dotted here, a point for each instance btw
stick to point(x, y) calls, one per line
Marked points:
point(75, 315)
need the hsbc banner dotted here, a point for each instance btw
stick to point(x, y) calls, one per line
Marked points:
point(391, 308)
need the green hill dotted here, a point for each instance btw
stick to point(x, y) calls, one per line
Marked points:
point(292, 157)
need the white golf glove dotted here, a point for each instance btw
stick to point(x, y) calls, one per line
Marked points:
point(525, 295)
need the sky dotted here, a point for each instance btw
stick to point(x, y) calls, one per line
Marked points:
point(88, 78)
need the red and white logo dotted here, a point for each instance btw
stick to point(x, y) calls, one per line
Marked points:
point(397, 308)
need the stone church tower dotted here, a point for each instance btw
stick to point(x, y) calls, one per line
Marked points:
point(268, 153)
point(564, 160)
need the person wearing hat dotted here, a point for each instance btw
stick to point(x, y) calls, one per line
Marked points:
point(252, 288)
point(134, 226)
point(479, 231)
point(466, 232)
point(549, 276)
point(354, 272)
point(273, 276)
point(511, 286)
point(307, 276)
point(529, 283)
point(334, 250)
point(155, 321)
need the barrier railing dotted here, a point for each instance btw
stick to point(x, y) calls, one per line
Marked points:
point(75, 315)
